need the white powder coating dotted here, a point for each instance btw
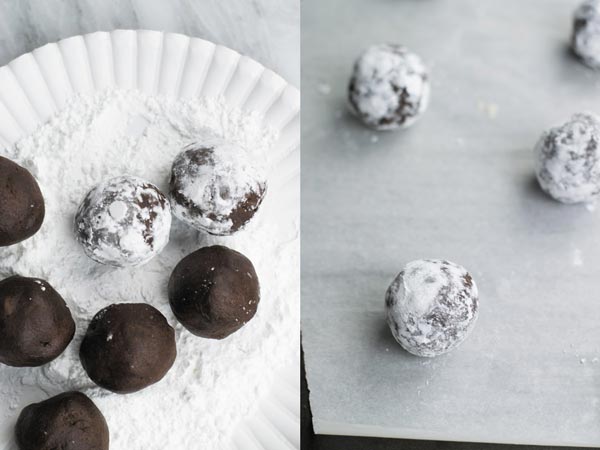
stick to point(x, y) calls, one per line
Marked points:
point(389, 88)
point(124, 221)
point(432, 306)
point(567, 160)
point(213, 384)
point(210, 181)
point(585, 38)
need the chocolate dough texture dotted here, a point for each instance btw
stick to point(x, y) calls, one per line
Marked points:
point(69, 421)
point(128, 347)
point(214, 291)
point(35, 323)
point(22, 207)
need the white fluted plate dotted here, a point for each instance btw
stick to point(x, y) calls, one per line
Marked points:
point(36, 85)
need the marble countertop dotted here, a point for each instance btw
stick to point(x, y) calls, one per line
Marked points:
point(458, 185)
point(266, 30)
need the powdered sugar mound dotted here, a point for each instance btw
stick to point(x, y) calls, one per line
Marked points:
point(123, 221)
point(215, 186)
point(567, 160)
point(432, 306)
point(389, 87)
point(213, 384)
point(585, 39)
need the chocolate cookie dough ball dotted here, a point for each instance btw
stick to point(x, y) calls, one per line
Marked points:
point(585, 39)
point(22, 207)
point(35, 323)
point(214, 291)
point(567, 160)
point(124, 221)
point(389, 88)
point(69, 421)
point(432, 306)
point(128, 347)
point(215, 187)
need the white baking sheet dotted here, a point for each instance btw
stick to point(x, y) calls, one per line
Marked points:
point(459, 185)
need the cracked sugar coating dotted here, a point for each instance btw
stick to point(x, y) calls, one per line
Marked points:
point(432, 306)
point(567, 160)
point(69, 421)
point(215, 187)
point(585, 38)
point(124, 221)
point(389, 88)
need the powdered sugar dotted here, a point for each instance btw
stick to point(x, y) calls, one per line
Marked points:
point(389, 87)
point(213, 383)
point(432, 306)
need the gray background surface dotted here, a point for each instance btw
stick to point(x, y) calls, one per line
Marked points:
point(458, 185)
point(266, 30)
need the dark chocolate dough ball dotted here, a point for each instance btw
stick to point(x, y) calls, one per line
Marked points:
point(69, 421)
point(128, 347)
point(216, 187)
point(22, 207)
point(389, 87)
point(214, 291)
point(35, 322)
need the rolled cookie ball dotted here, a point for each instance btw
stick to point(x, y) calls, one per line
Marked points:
point(215, 187)
point(432, 306)
point(128, 347)
point(69, 421)
point(389, 87)
point(567, 160)
point(585, 38)
point(124, 221)
point(214, 291)
point(22, 207)
point(35, 323)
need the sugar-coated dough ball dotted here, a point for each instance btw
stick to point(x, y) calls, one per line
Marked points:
point(69, 421)
point(22, 206)
point(124, 221)
point(389, 88)
point(216, 187)
point(128, 347)
point(567, 160)
point(35, 323)
point(585, 39)
point(432, 306)
point(214, 291)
